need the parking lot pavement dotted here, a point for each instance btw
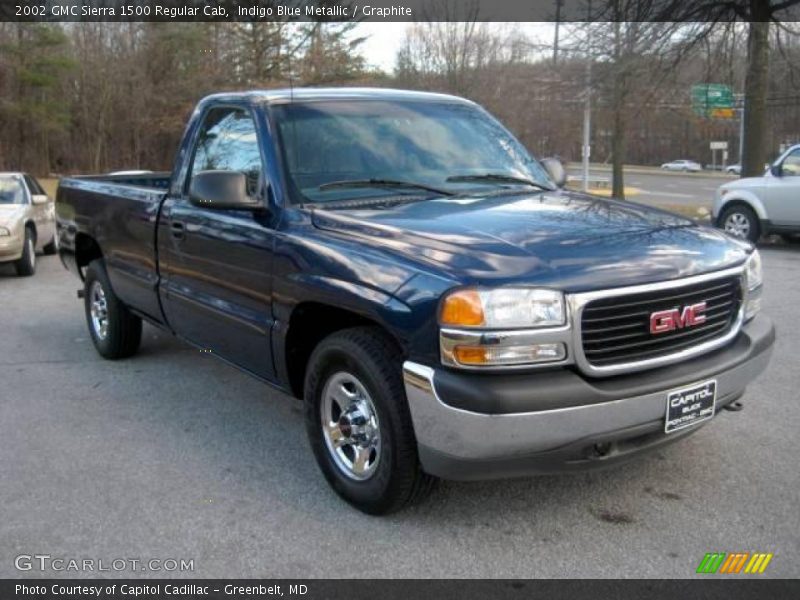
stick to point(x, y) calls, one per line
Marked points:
point(172, 454)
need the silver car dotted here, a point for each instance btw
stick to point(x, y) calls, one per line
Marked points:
point(683, 165)
point(755, 206)
point(27, 222)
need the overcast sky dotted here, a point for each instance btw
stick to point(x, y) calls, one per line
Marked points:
point(384, 39)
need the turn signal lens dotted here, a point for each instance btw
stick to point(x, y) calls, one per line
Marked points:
point(753, 271)
point(509, 355)
point(462, 308)
point(471, 355)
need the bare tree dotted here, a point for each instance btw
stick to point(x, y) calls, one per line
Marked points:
point(759, 14)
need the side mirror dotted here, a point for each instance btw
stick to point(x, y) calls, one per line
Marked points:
point(221, 189)
point(39, 199)
point(776, 170)
point(555, 170)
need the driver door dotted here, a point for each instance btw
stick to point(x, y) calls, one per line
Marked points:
point(216, 264)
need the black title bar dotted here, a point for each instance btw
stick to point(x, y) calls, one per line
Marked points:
point(393, 589)
point(388, 10)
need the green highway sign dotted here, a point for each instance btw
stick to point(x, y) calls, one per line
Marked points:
point(711, 98)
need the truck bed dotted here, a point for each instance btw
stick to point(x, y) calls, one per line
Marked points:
point(118, 212)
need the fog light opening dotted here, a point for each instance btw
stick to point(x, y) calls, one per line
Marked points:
point(602, 450)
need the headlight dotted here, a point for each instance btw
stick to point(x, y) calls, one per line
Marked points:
point(4, 232)
point(504, 327)
point(754, 281)
point(753, 275)
point(508, 308)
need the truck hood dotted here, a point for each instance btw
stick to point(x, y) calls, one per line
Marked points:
point(567, 240)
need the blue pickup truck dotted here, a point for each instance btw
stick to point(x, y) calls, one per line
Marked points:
point(400, 263)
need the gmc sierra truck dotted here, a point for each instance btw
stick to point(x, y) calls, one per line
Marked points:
point(443, 308)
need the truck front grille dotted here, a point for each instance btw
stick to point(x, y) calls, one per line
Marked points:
point(616, 330)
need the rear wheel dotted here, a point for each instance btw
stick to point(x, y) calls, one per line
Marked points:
point(115, 331)
point(26, 265)
point(740, 221)
point(358, 421)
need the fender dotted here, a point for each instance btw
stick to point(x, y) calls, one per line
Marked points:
point(746, 196)
point(393, 315)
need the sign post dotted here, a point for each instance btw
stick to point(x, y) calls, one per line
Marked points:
point(714, 146)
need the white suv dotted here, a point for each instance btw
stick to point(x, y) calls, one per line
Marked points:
point(754, 206)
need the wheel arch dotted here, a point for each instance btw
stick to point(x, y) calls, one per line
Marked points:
point(29, 224)
point(309, 323)
point(748, 200)
point(86, 250)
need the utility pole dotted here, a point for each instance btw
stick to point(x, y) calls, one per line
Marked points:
point(741, 128)
point(586, 150)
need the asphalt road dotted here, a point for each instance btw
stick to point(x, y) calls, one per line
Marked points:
point(660, 188)
point(172, 454)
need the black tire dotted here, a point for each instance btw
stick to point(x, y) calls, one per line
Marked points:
point(372, 357)
point(123, 330)
point(744, 215)
point(26, 265)
point(52, 247)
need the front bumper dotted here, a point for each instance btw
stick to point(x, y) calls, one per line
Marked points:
point(11, 247)
point(490, 425)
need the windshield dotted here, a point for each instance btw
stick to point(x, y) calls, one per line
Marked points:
point(359, 144)
point(11, 191)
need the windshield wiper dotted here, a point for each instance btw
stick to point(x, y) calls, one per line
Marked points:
point(388, 183)
point(499, 178)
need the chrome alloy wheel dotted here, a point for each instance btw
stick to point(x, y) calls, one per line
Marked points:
point(98, 310)
point(738, 225)
point(350, 426)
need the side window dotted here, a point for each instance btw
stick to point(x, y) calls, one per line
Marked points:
point(228, 142)
point(33, 185)
point(791, 164)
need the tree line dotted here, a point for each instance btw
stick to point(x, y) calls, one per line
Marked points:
point(93, 97)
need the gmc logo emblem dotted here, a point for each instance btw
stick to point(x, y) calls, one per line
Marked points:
point(670, 320)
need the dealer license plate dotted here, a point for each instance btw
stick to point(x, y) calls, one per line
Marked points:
point(690, 405)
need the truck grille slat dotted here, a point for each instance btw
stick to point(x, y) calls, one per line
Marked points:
point(720, 308)
point(616, 330)
point(720, 313)
point(655, 353)
point(707, 291)
point(654, 342)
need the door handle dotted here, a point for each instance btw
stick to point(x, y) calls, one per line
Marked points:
point(177, 229)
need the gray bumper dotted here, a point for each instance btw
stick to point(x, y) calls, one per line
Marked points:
point(455, 443)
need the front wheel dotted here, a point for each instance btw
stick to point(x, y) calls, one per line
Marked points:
point(358, 421)
point(740, 221)
point(115, 331)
